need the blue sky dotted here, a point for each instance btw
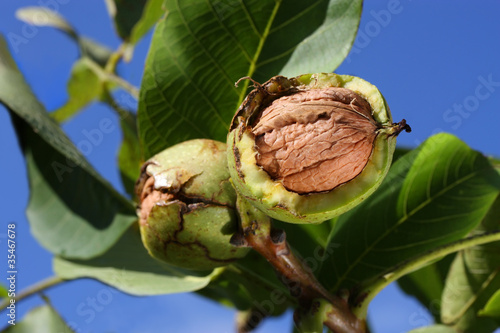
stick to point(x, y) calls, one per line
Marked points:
point(436, 62)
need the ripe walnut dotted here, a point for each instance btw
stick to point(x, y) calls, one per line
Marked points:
point(308, 148)
point(315, 140)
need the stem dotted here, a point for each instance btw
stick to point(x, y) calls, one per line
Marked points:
point(271, 244)
point(34, 289)
point(369, 290)
point(114, 59)
point(108, 98)
point(111, 77)
point(312, 319)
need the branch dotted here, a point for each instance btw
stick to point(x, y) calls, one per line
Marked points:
point(271, 244)
point(110, 100)
point(33, 289)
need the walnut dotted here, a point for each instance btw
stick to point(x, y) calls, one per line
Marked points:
point(315, 140)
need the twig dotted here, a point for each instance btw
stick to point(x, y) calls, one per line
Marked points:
point(110, 77)
point(33, 289)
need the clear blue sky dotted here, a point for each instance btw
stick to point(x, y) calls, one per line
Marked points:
point(430, 59)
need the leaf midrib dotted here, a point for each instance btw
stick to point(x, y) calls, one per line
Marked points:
point(320, 30)
point(258, 51)
point(470, 303)
point(200, 44)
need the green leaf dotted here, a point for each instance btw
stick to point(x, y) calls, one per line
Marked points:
point(150, 15)
point(250, 283)
point(434, 329)
point(492, 307)
point(72, 210)
point(42, 319)
point(133, 18)
point(263, 285)
point(84, 86)
point(203, 47)
point(400, 152)
point(129, 156)
point(228, 291)
point(427, 284)
point(432, 196)
point(128, 267)
point(473, 277)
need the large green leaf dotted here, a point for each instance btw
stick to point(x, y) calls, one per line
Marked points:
point(128, 267)
point(473, 277)
point(42, 319)
point(203, 47)
point(432, 196)
point(72, 210)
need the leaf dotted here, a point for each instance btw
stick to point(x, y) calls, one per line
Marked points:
point(432, 196)
point(492, 307)
point(129, 156)
point(226, 290)
point(434, 329)
point(297, 233)
point(84, 86)
point(264, 286)
point(150, 15)
point(427, 284)
point(128, 267)
point(72, 210)
point(473, 277)
point(310, 55)
point(44, 17)
point(130, 15)
point(250, 283)
point(42, 319)
point(202, 48)
point(400, 152)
